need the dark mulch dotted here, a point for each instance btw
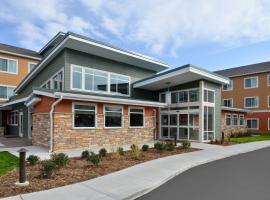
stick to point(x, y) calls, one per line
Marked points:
point(77, 170)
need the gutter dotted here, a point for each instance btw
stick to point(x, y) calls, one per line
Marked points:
point(51, 122)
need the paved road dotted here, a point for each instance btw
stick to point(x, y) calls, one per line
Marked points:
point(242, 177)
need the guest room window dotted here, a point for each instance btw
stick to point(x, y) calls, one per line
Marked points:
point(6, 92)
point(13, 118)
point(241, 120)
point(228, 119)
point(228, 87)
point(113, 116)
point(228, 102)
point(31, 66)
point(251, 82)
point(84, 115)
point(235, 120)
point(8, 65)
point(251, 102)
point(136, 117)
point(252, 123)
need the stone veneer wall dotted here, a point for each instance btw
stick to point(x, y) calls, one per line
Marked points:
point(41, 129)
point(65, 137)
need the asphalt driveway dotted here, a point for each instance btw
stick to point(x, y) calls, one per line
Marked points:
point(241, 177)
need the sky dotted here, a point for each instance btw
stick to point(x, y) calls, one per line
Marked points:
point(212, 34)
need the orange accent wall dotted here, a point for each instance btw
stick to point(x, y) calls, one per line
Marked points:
point(263, 120)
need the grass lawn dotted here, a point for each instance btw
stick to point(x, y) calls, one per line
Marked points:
point(252, 138)
point(7, 162)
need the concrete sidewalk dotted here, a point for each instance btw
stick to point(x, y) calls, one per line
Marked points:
point(135, 181)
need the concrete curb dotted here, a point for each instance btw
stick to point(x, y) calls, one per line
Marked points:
point(133, 182)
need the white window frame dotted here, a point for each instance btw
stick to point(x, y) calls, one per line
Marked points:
point(10, 86)
point(29, 63)
point(241, 115)
point(231, 82)
point(51, 79)
point(108, 91)
point(251, 78)
point(268, 82)
point(207, 102)
point(258, 125)
point(228, 114)
point(268, 97)
point(134, 107)
point(237, 120)
point(229, 99)
point(10, 123)
point(73, 115)
point(249, 98)
point(104, 118)
point(268, 124)
point(7, 72)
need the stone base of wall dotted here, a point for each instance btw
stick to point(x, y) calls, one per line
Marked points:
point(41, 129)
point(66, 137)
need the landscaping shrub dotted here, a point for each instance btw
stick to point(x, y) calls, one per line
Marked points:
point(145, 147)
point(85, 154)
point(170, 146)
point(135, 150)
point(95, 159)
point(60, 159)
point(47, 168)
point(115, 153)
point(120, 150)
point(185, 144)
point(32, 159)
point(159, 146)
point(103, 152)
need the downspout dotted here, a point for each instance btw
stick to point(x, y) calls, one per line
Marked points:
point(51, 122)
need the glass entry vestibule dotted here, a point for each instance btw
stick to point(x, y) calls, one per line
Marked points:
point(181, 123)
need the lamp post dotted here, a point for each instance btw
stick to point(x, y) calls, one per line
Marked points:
point(22, 172)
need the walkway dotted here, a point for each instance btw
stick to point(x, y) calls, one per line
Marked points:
point(140, 179)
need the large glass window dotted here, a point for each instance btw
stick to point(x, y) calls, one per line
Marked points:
point(183, 97)
point(193, 95)
point(8, 65)
point(84, 116)
point(174, 97)
point(136, 117)
point(251, 82)
point(252, 123)
point(13, 118)
point(251, 102)
point(113, 116)
point(6, 92)
point(208, 123)
point(228, 87)
point(162, 98)
point(209, 96)
point(95, 80)
point(58, 81)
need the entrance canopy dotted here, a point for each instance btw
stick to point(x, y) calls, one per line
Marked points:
point(177, 76)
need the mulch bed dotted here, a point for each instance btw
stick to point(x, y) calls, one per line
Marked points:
point(77, 170)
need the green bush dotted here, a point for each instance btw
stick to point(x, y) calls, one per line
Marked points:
point(145, 147)
point(160, 146)
point(47, 168)
point(85, 154)
point(103, 152)
point(33, 159)
point(135, 150)
point(170, 146)
point(60, 159)
point(185, 144)
point(95, 159)
point(120, 150)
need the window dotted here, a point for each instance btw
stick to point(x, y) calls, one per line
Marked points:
point(241, 120)
point(136, 117)
point(251, 82)
point(268, 101)
point(31, 66)
point(209, 96)
point(163, 98)
point(251, 102)
point(113, 116)
point(268, 123)
point(6, 92)
point(208, 123)
point(8, 65)
point(84, 116)
point(193, 95)
point(228, 119)
point(228, 102)
point(252, 123)
point(228, 87)
point(183, 97)
point(235, 120)
point(268, 80)
point(13, 118)
point(55, 82)
point(88, 79)
point(174, 97)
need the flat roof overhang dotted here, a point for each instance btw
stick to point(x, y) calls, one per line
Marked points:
point(178, 76)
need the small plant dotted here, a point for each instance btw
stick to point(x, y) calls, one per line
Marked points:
point(85, 154)
point(95, 159)
point(185, 144)
point(47, 168)
point(33, 159)
point(145, 147)
point(135, 150)
point(60, 159)
point(170, 146)
point(114, 153)
point(103, 152)
point(120, 150)
point(159, 146)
